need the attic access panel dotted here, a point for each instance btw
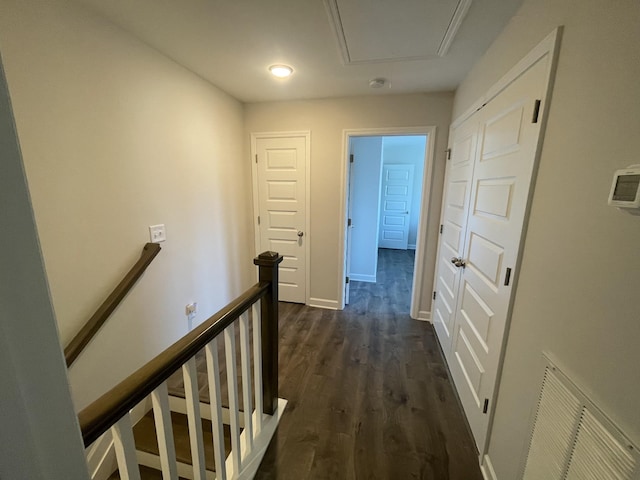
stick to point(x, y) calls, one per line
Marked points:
point(371, 31)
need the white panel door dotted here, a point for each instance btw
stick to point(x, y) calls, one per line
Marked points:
point(507, 143)
point(455, 209)
point(281, 168)
point(395, 202)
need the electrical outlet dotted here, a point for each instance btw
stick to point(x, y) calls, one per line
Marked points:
point(157, 233)
point(191, 310)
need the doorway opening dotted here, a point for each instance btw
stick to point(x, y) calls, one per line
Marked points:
point(386, 189)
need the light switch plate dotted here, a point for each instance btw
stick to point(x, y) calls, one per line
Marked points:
point(191, 310)
point(157, 233)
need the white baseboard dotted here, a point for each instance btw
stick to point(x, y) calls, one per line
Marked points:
point(487, 469)
point(359, 277)
point(424, 316)
point(251, 463)
point(324, 303)
point(411, 246)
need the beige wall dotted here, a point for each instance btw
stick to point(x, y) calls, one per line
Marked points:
point(326, 119)
point(116, 137)
point(577, 296)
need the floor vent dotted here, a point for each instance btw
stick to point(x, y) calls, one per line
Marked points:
point(572, 439)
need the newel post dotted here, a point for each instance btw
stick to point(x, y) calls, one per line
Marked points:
point(268, 273)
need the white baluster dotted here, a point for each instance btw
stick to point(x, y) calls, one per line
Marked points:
point(257, 363)
point(213, 373)
point(164, 432)
point(245, 353)
point(125, 448)
point(232, 380)
point(192, 397)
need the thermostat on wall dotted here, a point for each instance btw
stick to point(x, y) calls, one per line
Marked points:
point(625, 190)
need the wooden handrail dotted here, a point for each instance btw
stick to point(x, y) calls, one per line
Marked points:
point(98, 417)
point(89, 330)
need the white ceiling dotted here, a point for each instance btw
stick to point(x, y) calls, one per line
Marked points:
point(335, 46)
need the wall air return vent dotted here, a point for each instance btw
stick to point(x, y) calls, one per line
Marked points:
point(572, 439)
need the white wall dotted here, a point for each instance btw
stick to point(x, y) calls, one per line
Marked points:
point(40, 436)
point(408, 149)
point(117, 137)
point(364, 198)
point(326, 119)
point(577, 295)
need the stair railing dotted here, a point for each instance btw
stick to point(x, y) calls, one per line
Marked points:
point(89, 330)
point(256, 308)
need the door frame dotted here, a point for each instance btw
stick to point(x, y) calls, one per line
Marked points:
point(550, 45)
point(306, 134)
point(425, 202)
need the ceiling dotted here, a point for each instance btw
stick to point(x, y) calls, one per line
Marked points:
point(335, 46)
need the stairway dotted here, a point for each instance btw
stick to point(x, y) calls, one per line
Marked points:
point(145, 434)
point(161, 416)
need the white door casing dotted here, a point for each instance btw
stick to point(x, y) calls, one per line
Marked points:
point(420, 260)
point(349, 230)
point(395, 206)
point(281, 205)
point(474, 296)
point(499, 192)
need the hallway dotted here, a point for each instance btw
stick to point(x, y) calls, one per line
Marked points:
point(369, 395)
point(392, 291)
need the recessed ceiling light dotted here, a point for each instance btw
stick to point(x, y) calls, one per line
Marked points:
point(280, 71)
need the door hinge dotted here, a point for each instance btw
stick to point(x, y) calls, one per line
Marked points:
point(346, 280)
point(256, 158)
point(536, 112)
point(485, 409)
point(441, 228)
point(434, 295)
point(351, 158)
point(507, 277)
point(258, 219)
point(448, 152)
point(349, 222)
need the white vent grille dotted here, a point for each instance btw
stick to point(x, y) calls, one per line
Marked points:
point(556, 420)
point(598, 455)
point(572, 440)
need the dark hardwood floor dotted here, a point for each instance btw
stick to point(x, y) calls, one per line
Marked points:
point(369, 393)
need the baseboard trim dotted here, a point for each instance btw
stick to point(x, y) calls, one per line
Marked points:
point(487, 469)
point(357, 277)
point(324, 303)
point(411, 246)
point(424, 316)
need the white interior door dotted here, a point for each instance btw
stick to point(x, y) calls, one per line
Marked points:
point(481, 238)
point(397, 191)
point(281, 185)
point(455, 209)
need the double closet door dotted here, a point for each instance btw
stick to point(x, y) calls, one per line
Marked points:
point(488, 181)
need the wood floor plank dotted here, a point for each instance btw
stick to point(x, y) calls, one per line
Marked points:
point(369, 393)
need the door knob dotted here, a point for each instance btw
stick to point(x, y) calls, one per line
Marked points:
point(300, 233)
point(458, 262)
